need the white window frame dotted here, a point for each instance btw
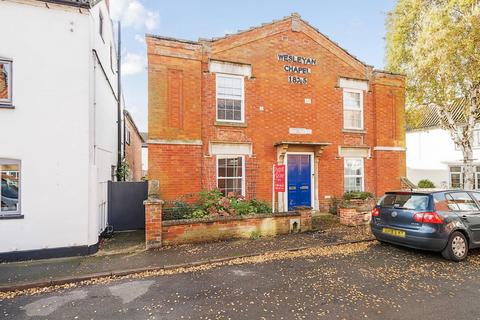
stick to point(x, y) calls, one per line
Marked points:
point(450, 173)
point(219, 157)
point(19, 206)
point(9, 100)
point(360, 92)
point(242, 106)
point(477, 176)
point(353, 176)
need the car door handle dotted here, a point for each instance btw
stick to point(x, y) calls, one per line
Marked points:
point(464, 217)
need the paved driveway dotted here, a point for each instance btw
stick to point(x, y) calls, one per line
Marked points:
point(360, 281)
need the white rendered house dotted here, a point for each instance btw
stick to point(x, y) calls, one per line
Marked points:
point(432, 154)
point(58, 125)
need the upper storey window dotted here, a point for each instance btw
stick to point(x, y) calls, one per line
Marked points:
point(5, 83)
point(230, 98)
point(352, 109)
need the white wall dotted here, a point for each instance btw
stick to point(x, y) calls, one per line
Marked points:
point(63, 154)
point(104, 108)
point(429, 154)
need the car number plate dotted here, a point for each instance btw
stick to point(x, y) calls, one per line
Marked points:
point(393, 232)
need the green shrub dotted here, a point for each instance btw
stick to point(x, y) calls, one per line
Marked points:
point(214, 203)
point(179, 210)
point(207, 199)
point(425, 184)
point(198, 213)
point(261, 206)
point(242, 207)
point(357, 195)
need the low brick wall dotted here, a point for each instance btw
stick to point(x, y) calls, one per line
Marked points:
point(233, 227)
point(353, 216)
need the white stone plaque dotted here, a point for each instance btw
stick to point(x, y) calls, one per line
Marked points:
point(299, 131)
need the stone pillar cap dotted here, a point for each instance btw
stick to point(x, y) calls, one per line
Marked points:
point(153, 201)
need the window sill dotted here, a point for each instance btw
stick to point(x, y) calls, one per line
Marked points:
point(230, 124)
point(11, 216)
point(7, 106)
point(359, 131)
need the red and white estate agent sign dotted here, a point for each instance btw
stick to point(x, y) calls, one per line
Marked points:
point(279, 177)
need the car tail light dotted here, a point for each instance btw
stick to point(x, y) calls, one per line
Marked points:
point(418, 217)
point(427, 217)
point(375, 212)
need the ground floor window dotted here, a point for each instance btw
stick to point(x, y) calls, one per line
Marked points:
point(10, 190)
point(457, 177)
point(230, 174)
point(353, 175)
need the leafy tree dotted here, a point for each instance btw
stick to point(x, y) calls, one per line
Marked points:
point(436, 44)
point(413, 116)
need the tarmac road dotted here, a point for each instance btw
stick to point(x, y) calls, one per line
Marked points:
point(370, 281)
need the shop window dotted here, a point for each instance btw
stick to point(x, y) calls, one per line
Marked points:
point(5, 82)
point(353, 175)
point(230, 98)
point(352, 109)
point(10, 190)
point(230, 174)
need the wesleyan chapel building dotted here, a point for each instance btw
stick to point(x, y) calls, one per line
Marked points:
point(223, 111)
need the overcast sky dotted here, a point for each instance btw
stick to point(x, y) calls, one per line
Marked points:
point(358, 26)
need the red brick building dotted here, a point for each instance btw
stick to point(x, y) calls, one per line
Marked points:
point(133, 148)
point(223, 111)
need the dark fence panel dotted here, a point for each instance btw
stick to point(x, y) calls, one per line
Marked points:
point(125, 205)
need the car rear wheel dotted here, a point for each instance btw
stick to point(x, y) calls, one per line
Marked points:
point(457, 247)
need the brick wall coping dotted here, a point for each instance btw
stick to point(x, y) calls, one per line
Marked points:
point(229, 218)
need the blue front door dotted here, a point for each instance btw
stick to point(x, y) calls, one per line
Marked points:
point(298, 180)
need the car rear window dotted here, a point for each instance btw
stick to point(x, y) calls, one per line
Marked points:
point(415, 202)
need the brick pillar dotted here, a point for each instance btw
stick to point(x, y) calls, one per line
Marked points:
point(153, 216)
point(305, 218)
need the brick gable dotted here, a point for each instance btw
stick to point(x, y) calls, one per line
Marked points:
point(272, 107)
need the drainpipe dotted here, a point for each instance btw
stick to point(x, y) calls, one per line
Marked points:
point(119, 100)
